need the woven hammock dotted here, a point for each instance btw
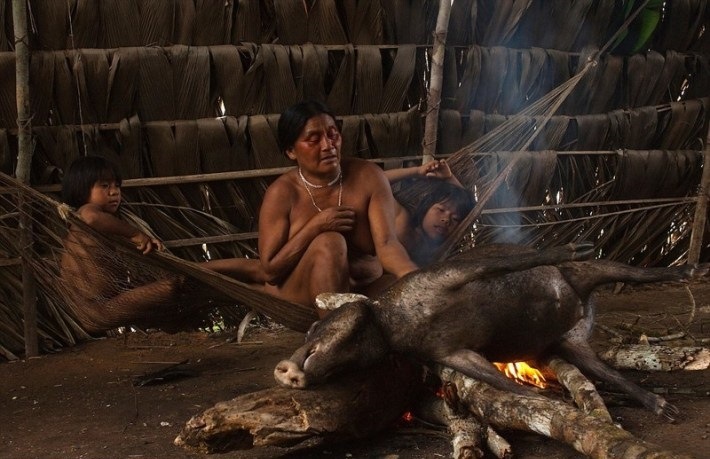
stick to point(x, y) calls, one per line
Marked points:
point(171, 288)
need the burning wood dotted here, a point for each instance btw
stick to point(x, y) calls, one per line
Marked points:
point(523, 373)
point(589, 435)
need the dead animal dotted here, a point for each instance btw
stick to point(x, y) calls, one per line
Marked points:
point(499, 303)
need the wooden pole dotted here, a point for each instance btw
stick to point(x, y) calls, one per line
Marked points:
point(701, 208)
point(24, 163)
point(436, 81)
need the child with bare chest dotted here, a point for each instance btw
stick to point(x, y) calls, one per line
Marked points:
point(101, 288)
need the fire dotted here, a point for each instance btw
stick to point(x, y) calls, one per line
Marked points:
point(521, 373)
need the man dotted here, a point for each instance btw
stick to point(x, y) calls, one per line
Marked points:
point(328, 225)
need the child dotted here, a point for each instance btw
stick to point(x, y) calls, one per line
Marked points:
point(102, 287)
point(424, 227)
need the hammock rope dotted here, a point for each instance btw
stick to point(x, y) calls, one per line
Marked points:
point(51, 220)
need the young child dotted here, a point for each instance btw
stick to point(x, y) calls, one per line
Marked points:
point(425, 226)
point(103, 290)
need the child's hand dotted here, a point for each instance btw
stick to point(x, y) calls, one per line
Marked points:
point(437, 168)
point(146, 244)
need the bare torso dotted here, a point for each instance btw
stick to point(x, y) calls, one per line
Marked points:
point(89, 276)
point(361, 213)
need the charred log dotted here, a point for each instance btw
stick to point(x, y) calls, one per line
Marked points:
point(355, 406)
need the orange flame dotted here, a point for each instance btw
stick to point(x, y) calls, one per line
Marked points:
point(522, 373)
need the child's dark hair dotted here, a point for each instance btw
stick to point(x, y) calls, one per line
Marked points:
point(438, 191)
point(294, 119)
point(81, 176)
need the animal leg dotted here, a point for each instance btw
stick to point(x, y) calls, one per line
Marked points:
point(476, 366)
point(585, 276)
point(579, 353)
point(456, 273)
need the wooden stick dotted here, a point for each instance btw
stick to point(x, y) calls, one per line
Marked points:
point(583, 392)
point(24, 166)
point(554, 419)
point(701, 208)
point(436, 79)
point(467, 431)
point(657, 357)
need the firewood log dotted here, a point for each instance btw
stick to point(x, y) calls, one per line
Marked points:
point(583, 392)
point(356, 405)
point(657, 357)
point(554, 419)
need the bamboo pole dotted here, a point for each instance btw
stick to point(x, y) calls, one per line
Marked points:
point(701, 208)
point(436, 81)
point(24, 163)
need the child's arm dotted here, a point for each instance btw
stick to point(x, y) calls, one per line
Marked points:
point(437, 168)
point(107, 223)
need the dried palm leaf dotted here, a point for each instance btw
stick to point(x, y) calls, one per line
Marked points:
point(118, 19)
point(191, 70)
point(278, 78)
point(398, 80)
point(155, 102)
point(291, 22)
point(368, 80)
point(324, 25)
point(313, 64)
point(364, 21)
point(8, 103)
point(340, 96)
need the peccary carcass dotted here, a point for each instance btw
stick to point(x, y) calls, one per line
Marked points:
point(503, 303)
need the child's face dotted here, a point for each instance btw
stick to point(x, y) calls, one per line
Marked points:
point(440, 220)
point(106, 194)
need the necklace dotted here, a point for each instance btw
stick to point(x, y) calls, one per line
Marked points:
point(313, 185)
point(308, 185)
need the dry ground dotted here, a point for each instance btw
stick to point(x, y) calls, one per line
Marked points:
point(81, 403)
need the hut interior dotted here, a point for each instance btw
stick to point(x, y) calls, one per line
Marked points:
point(599, 123)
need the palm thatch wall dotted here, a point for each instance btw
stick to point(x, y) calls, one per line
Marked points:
point(185, 97)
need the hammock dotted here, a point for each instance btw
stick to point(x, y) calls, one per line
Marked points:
point(190, 288)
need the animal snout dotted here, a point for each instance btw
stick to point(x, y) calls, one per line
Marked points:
point(288, 374)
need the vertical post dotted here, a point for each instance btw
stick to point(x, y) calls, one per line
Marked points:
point(24, 163)
point(701, 208)
point(436, 81)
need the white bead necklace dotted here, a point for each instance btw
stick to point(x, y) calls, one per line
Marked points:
point(313, 185)
point(308, 185)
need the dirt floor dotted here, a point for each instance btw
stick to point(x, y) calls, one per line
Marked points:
point(81, 403)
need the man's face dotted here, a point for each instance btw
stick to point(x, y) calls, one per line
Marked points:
point(317, 149)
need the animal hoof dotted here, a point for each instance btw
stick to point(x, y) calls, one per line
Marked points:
point(582, 250)
point(669, 411)
point(701, 270)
